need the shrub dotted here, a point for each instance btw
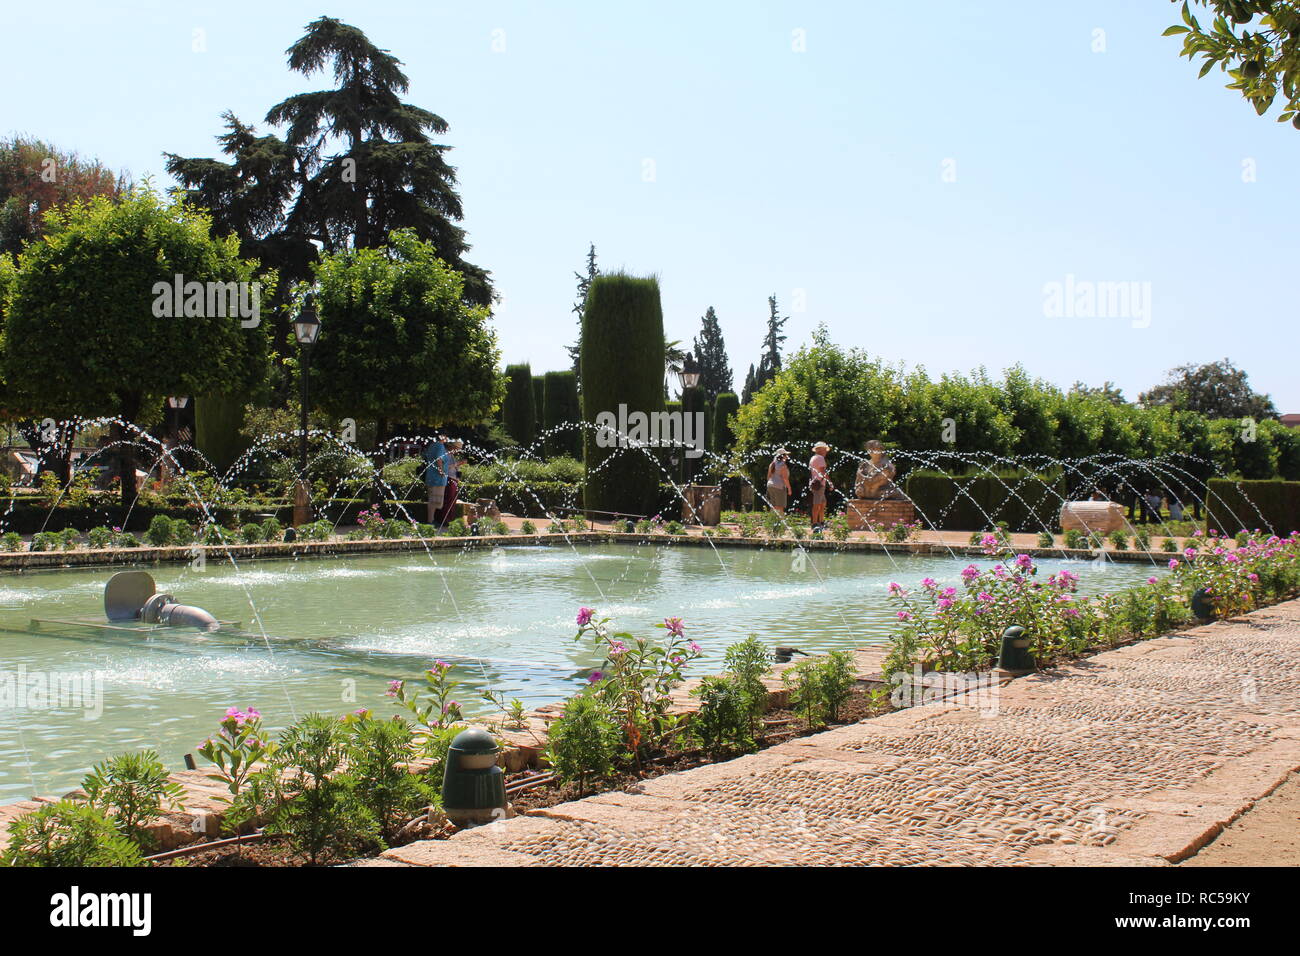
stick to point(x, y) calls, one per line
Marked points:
point(674, 527)
point(518, 410)
point(1046, 539)
point(182, 532)
point(528, 528)
point(426, 530)
point(901, 532)
point(133, 791)
point(47, 541)
point(1119, 539)
point(1015, 499)
point(68, 834)
point(1169, 545)
point(126, 539)
point(582, 744)
point(11, 541)
point(838, 527)
point(1074, 539)
point(272, 529)
point(458, 528)
point(378, 752)
point(319, 808)
point(1142, 539)
point(251, 533)
point(721, 436)
point(621, 364)
point(561, 407)
point(160, 531)
point(722, 725)
point(819, 687)
point(100, 537)
point(1266, 504)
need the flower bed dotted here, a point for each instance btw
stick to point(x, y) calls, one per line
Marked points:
point(960, 629)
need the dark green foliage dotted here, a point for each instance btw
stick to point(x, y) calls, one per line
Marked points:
point(133, 791)
point(961, 502)
point(539, 401)
point(711, 353)
point(721, 726)
point(398, 341)
point(378, 753)
point(385, 170)
point(518, 411)
point(319, 808)
point(68, 834)
point(559, 405)
point(160, 531)
point(622, 363)
point(584, 283)
point(820, 686)
point(1215, 390)
point(770, 361)
point(582, 744)
point(693, 405)
point(1231, 506)
point(217, 423)
point(724, 406)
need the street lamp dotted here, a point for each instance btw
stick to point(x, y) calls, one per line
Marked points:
point(689, 374)
point(306, 329)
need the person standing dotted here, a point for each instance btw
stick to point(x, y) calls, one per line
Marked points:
point(778, 480)
point(818, 484)
point(452, 467)
point(435, 476)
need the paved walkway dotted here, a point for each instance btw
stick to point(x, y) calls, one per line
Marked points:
point(1138, 756)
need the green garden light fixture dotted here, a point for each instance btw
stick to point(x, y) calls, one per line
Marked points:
point(473, 786)
point(1016, 657)
point(1202, 604)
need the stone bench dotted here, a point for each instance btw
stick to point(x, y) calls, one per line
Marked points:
point(1101, 517)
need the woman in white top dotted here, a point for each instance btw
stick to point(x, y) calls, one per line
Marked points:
point(778, 480)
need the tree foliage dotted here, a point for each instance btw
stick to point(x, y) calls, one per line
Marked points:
point(518, 412)
point(560, 406)
point(711, 354)
point(1255, 42)
point(1216, 389)
point(398, 341)
point(284, 195)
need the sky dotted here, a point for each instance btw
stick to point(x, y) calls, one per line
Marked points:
point(946, 189)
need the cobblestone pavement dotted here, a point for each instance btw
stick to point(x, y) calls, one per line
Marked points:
point(1138, 756)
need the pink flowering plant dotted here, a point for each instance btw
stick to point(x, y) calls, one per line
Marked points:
point(432, 705)
point(236, 751)
point(637, 678)
point(959, 628)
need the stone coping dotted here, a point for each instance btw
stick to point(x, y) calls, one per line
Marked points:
point(83, 557)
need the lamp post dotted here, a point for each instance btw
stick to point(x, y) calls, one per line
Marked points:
point(306, 328)
point(689, 374)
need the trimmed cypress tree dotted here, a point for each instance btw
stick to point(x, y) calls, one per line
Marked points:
point(560, 405)
point(622, 364)
point(723, 437)
point(518, 412)
point(693, 403)
point(539, 400)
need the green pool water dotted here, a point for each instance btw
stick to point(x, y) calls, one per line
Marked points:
point(338, 629)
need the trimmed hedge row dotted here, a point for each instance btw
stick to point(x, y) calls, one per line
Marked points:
point(1232, 505)
point(975, 502)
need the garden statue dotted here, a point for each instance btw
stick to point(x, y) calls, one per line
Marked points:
point(877, 502)
point(875, 478)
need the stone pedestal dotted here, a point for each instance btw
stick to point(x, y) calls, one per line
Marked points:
point(702, 504)
point(878, 512)
point(1102, 517)
point(301, 504)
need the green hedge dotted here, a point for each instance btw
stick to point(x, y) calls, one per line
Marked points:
point(1232, 505)
point(975, 502)
point(622, 364)
point(723, 438)
point(560, 405)
point(519, 411)
point(522, 498)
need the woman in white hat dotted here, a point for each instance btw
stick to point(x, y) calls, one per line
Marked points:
point(818, 485)
point(778, 480)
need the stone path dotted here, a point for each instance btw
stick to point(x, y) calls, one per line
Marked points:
point(1139, 756)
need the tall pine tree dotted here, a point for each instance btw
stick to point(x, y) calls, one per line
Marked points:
point(579, 306)
point(711, 353)
point(770, 362)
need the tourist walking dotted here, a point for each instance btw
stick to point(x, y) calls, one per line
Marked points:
point(778, 480)
point(819, 484)
point(435, 475)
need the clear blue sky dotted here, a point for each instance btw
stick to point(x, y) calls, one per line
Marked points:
point(775, 171)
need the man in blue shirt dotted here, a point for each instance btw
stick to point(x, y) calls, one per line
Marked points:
point(435, 475)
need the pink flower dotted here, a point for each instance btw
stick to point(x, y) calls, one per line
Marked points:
point(675, 626)
point(904, 615)
point(948, 592)
point(1173, 563)
point(695, 648)
point(1024, 562)
point(986, 597)
point(945, 603)
point(969, 573)
point(617, 647)
point(929, 584)
point(895, 587)
point(1153, 580)
point(584, 616)
point(595, 677)
point(394, 688)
